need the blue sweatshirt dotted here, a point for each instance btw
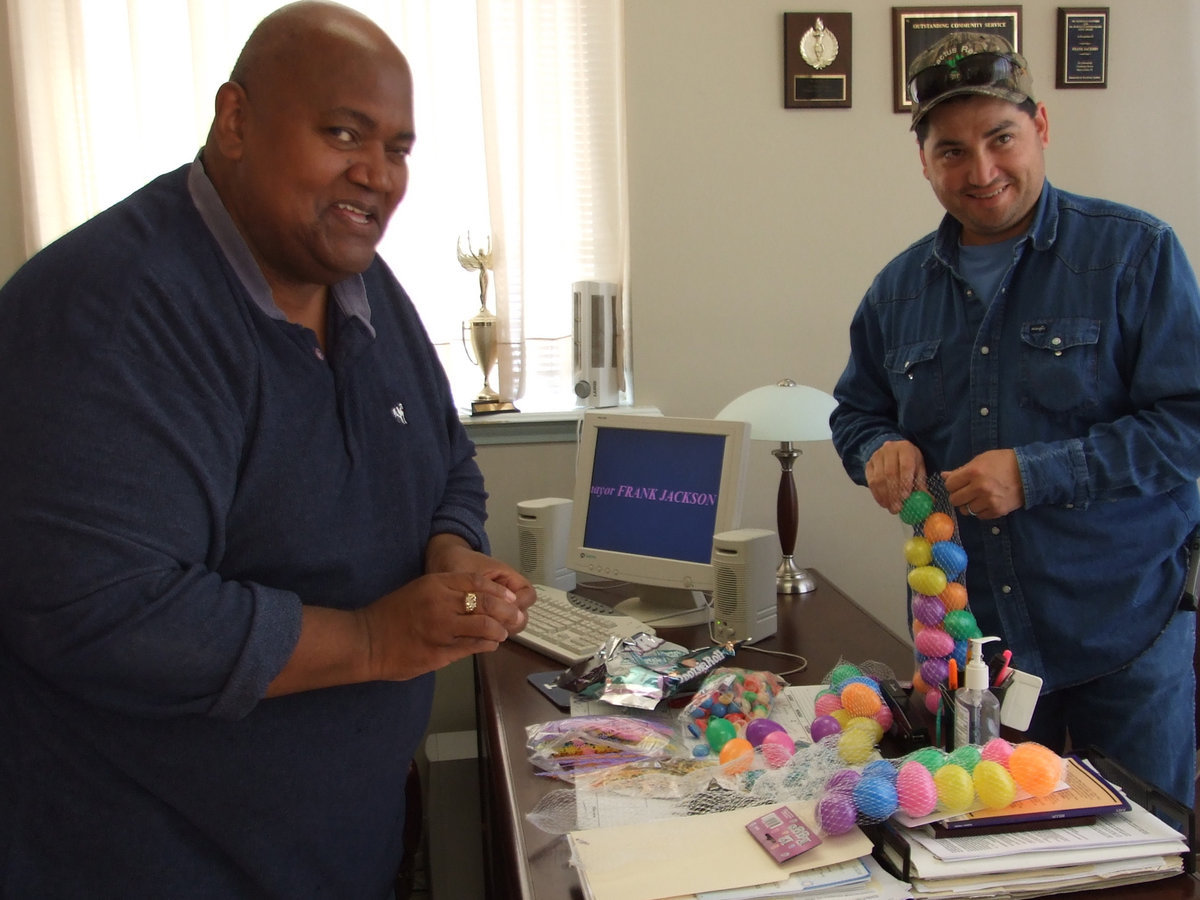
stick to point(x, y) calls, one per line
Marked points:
point(182, 469)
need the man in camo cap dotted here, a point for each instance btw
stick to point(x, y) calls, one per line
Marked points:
point(1040, 354)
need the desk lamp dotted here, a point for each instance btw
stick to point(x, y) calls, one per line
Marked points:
point(785, 412)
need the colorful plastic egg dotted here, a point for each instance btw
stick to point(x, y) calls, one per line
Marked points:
point(927, 609)
point(758, 729)
point(777, 748)
point(950, 557)
point(836, 813)
point(720, 732)
point(918, 551)
point(843, 780)
point(737, 755)
point(860, 699)
point(916, 792)
point(994, 784)
point(932, 699)
point(916, 508)
point(1036, 768)
point(934, 642)
point(823, 726)
point(955, 789)
point(934, 671)
point(932, 758)
point(997, 750)
point(827, 703)
point(875, 798)
point(842, 673)
point(938, 527)
point(960, 624)
point(884, 717)
point(954, 596)
point(855, 746)
point(842, 716)
point(966, 756)
point(928, 580)
point(880, 768)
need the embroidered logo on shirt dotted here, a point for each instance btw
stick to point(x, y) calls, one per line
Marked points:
point(398, 412)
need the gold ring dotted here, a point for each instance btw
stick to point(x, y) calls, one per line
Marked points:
point(470, 602)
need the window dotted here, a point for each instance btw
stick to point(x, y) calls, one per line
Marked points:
point(520, 124)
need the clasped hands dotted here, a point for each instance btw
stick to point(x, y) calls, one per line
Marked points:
point(987, 487)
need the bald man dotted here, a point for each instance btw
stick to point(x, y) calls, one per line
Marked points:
point(241, 524)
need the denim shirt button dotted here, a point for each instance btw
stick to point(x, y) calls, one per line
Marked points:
point(983, 411)
point(984, 351)
point(1005, 589)
point(995, 529)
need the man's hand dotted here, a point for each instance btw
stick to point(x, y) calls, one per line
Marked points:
point(449, 553)
point(989, 486)
point(893, 471)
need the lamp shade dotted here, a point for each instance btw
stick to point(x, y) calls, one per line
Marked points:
point(783, 412)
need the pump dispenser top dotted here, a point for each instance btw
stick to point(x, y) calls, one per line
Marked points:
point(976, 709)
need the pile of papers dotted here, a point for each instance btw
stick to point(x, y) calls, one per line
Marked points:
point(1120, 848)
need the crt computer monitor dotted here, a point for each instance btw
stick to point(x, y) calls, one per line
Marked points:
point(650, 493)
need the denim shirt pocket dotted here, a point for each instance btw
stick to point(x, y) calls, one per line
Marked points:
point(1059, 364)
point(915, 373)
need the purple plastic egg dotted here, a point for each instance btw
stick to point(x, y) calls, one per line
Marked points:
point(928, 610)
point(836, 813)
point(758, 729)
point(934, 642)
point(823, 726)
point(843, 780)
point(934, 671)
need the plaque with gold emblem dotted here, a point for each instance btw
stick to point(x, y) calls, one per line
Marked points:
point(816, 60)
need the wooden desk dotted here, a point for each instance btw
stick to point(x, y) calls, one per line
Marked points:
point(522, 861)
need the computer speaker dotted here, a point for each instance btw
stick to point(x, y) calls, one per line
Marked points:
point(542, 529)
point(744, 601)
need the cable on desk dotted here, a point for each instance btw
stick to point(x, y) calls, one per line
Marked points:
point(800, 668)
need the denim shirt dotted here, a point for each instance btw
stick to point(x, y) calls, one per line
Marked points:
point(1087, 364)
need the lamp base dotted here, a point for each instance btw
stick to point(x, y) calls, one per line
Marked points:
point(790, 579)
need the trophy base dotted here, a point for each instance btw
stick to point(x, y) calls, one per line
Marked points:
point(491, 407)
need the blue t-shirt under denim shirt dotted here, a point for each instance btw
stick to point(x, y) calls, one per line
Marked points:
point(1087, 363)
point(183, 468)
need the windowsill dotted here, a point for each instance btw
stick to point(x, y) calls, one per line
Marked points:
point(535, 427)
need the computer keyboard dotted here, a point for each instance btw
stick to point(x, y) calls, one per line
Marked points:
point(571, 628)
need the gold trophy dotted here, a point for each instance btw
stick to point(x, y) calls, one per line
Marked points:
point(484, 338)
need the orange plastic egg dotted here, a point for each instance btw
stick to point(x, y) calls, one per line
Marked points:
point(860, 699)
point(1035, 768)
point(954, 596)
point(938, 527)
point(737, 755)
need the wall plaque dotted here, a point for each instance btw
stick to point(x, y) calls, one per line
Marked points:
point(1082, 48)
point(816, 60)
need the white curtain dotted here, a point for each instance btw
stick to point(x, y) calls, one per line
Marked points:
point(520, 141)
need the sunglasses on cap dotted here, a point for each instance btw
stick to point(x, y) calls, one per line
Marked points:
point(974, 70)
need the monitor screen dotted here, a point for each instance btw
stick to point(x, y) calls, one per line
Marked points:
point(651, 491)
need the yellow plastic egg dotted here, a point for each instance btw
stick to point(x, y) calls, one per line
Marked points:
point(855, 746)
point(955, 789)
point(917, 551)
point(993, 784)
point(928, 580)
point(868, 724)
point(843, 716)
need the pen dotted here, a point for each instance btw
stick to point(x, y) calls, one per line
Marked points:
point(952, 676)
point(1004, 669)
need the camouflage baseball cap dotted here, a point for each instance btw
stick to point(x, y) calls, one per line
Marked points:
point(967, 62)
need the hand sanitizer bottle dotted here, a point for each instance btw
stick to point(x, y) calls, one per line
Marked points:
point(976, 709)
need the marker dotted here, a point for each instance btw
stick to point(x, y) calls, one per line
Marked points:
point(952, 677)
point(1005, 671)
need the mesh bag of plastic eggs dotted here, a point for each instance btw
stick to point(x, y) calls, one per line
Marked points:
point(850, 716)
point(729, 717)
point(931, 781)
point(942, 623)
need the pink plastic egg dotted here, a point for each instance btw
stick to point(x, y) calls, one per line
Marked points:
point(932, 699)
point(884, 717)
point(777, 748)
point(915, 790)
point(827, 703)
point(934, 642)
point(997, 750)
